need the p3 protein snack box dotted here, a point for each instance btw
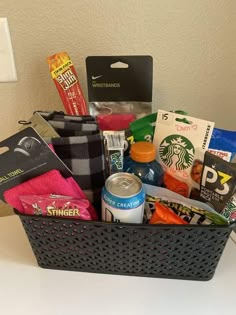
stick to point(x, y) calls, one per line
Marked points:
point(218, 181)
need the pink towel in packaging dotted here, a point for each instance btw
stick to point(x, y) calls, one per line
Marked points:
point(51, 182)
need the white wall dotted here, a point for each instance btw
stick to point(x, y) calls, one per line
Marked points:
point(193, 43)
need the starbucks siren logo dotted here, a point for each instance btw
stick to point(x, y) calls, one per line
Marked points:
point(176, 151)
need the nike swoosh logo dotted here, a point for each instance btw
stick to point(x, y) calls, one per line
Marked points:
point(96, 77)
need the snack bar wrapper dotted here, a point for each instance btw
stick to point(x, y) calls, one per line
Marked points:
point(164, 215)
point(191, 211)
point(223, 144)
point(56, 206)
point(66, 80)
point(175, 185)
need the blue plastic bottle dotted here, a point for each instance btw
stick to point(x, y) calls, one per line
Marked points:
point(142, 163)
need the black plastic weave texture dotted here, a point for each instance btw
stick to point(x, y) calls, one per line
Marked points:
point(180, 251)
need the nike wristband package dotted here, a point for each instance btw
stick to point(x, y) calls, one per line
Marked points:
point(119, 89)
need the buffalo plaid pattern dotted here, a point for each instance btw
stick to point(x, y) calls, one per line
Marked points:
point(60, 116)
point(80, 147)
point(84, 155)
point(68, 128)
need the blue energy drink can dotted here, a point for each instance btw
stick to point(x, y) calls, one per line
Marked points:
point(123, 199)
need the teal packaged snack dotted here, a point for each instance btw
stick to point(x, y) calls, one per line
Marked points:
point(218, 181)
point(114, 143)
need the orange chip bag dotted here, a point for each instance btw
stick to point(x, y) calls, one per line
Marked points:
point(164, 215)
point(66, 80)
point(176, 185)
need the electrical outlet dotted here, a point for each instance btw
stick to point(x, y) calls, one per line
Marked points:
point(7, 61)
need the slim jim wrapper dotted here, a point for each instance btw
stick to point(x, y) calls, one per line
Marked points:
point(66, 80)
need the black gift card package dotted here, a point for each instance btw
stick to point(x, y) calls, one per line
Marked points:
point(24, 156)
point(108, 81)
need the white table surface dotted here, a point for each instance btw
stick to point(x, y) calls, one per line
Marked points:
point(27, 289)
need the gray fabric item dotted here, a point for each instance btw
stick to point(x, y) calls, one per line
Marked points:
point(60, 116)
point(66, 125)
point(80, 147)
point(84, 155)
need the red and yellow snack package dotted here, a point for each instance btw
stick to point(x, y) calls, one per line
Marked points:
point(66, 80)
point(164, 215)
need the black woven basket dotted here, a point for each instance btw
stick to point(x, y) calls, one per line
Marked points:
point(166, 251)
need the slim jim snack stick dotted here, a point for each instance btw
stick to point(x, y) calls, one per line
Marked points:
point(66, 80)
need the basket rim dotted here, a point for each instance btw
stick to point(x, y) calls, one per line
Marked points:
point(122, 224)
